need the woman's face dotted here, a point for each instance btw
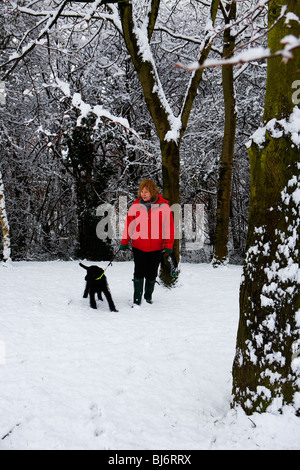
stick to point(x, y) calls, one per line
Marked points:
point(146, 195)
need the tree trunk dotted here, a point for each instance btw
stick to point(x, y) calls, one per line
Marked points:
point(225, 171)
point(264, 372)
point(138, 45)
point(4, 223)
point(171, 171)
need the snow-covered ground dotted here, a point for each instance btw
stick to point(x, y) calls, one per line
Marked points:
point(154, 377)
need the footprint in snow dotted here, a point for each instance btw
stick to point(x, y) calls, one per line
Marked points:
point(96, 415)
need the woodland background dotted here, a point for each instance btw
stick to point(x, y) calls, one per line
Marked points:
point(95, 103)
point(56, 173)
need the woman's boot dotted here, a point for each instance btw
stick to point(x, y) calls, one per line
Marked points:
point(138, 284)
point(149, 288)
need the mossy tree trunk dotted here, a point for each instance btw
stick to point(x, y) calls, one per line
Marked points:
point(225, 171)
point(265, 374)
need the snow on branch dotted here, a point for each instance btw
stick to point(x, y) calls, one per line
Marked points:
point(237, 26)
point(97, 110)
point(252, 54)
point(290, 43)
point(52, 18)
point(112, 17)
point(80, 13)
point(137, 36)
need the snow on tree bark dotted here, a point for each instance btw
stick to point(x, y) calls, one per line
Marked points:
point(266, 371)
point(4, 223)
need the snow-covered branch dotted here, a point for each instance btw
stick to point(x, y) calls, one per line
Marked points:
point(50, 17)
point(137, 38)
point(251, 55)
point(15, 58)
point(98, 111)
point(92, 12)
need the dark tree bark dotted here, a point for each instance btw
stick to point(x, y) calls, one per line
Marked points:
point(225, 171)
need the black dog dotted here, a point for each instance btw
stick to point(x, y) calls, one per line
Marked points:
point(96, 283)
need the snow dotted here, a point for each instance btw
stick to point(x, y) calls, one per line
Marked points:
point(153, 377)
point(85, 108)
point(290, 16)
point(278, 128)
point(251, 54)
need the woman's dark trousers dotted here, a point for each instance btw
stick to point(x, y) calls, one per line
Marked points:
point(146, 266)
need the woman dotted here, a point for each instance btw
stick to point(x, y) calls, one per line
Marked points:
point(150, 227)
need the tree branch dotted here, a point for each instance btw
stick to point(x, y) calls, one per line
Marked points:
point(197, 75)
point(52, 20)
point(137, 43)
point(152, 17)
point(256, 53)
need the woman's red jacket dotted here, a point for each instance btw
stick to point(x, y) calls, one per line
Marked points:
point(149, 231)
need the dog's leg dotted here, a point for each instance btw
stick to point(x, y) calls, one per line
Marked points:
point(99, 292)
point(86, 291)
point(92, 299)
point(110, 301)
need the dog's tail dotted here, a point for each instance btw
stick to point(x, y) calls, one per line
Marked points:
point(83, 266)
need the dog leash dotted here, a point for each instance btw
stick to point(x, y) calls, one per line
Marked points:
point(98, 278)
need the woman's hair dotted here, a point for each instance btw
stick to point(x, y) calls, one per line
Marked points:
point(151, 187)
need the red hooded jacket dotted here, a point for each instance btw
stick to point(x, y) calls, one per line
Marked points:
point(149, 231)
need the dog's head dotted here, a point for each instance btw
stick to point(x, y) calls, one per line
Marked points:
point(93, 272)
